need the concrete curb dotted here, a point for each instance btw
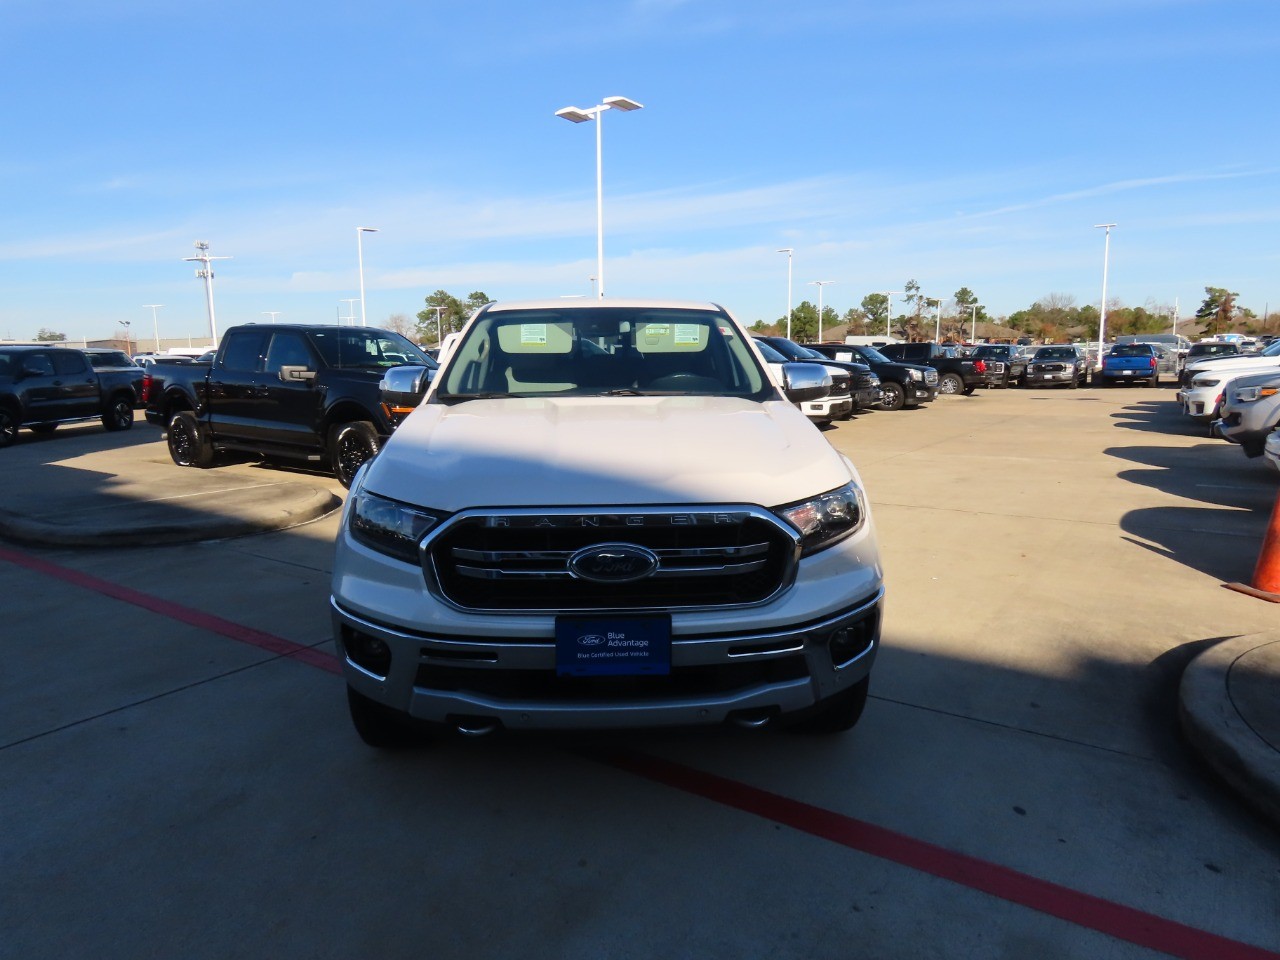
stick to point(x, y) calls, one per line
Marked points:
point(1222, 689)
point(287, 506)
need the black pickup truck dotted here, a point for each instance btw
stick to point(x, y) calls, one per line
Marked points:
point(1012, 355)
point(902, 385)
point(42, 387)
point(955, 373)
point(309, 392)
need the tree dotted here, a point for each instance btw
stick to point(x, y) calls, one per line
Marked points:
point(400, 323)
point(50, 336)
point(966, 300)
point(875, 312)
point(452, 313)
point(1218, 312)
point(804, 322)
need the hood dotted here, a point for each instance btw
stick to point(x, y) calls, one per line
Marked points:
point(605, 450)
point(1234, 366)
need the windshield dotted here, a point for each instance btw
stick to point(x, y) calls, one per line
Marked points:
point(602, 351)
point(350, 348)
point(1055, 353)
point(1133, 350)
point(771, 355)
point(787, 348)
point(996, 353)
point(871, 355)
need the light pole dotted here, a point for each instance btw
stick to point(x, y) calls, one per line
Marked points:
point(1175, 320)
point(937, 323)
point(1106, 256)
point(360, 232)
point(788, 251)
point(155, 322)
point(580, 115)
point(820, 284)
point(350, 317)
point(207, 276)
point(125, 324)
point(973, 323)
point(439, 325)
point(888, 314)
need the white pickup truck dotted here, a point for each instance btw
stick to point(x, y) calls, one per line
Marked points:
point(605, 514)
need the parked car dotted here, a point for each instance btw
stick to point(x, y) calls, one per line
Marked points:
point(1012, 356)
point(305, 391)
point(835, 404)
point(1129, 363)
point(118, 360)
point(43, 387)
point(1268, 357)
point(1250, 411)
point(1056, 366)
point(956, 375)
point(1271, 449)
point(864, 386)
point(902, 385)
point(649, 536)
point(1204, 349)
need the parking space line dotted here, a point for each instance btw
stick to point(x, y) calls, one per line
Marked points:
point(1081, 909)
point(195, 618)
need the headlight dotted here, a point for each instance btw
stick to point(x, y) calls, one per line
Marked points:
point(873, 380)
point(1204, 383)
point(915, 375)
point(826, 519)
point(1250, 394)
point(389, 526)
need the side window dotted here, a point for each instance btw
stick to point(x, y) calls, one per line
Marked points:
point(67, 363)
point(288, 349)
point(37, 364)
point(243, 351)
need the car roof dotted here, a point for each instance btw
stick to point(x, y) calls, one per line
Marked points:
point(590, 304)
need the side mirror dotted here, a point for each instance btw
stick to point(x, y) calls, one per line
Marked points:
point(805, 381)
point(296, 374)
point(403, 389)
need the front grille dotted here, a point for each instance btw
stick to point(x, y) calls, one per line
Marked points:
point(839, 386)
point(520, 560)
point(1049, 367)
point(931, 376)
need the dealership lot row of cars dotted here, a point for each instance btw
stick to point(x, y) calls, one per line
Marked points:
point(1237, 397)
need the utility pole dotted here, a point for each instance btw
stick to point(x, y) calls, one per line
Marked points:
point(207, 276)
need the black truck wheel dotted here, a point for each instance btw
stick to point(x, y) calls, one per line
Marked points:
point(118, 415)
point(8, 426)
point(836, 714)
point(378, 726)
point(350, 445)
point(188, 445)
point(892, 396)
point(951, 383)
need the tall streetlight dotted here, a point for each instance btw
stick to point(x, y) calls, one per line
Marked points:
point(155, 321)
point(360, 232)
point(937, 323)
point(439, 325)
point(973, 323)
point(350, 317)
point(127, 341)
point(1106, 256)
point(888, 314)
point(207, 276)
point(581, 115)
point(820, 284)
point(788, 251)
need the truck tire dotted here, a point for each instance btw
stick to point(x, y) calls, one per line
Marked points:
point(378, 726)
point(350, 445)
point(8, 427)
point(188, 446)
point(951, 383)
point(892, 396)
point(836, 714)
point(118, 415)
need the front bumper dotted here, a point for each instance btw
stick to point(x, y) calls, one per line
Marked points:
point(1051, 379)
point(474, 682)
point(822, 411)
point(866, 397)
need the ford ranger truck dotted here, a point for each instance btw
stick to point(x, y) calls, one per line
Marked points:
point(605, 515)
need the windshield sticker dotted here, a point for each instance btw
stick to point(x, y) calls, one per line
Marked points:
point(688, 333)
point(533, 333)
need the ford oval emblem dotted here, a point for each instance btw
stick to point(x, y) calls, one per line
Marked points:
point(613, 563)
point(590, 640)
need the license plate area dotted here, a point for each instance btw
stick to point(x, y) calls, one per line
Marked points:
point(613, 646)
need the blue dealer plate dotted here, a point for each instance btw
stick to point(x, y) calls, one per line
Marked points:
point(613, 646)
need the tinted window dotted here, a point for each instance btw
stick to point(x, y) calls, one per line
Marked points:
point(354, 348)
point(69, 362)
point(1133, 350)
point(288, 349)
point(242, 350)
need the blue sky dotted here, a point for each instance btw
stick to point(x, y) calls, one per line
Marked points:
point(958, 143)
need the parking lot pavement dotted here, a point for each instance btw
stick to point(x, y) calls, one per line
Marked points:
point(83, 487)
point(187, 783)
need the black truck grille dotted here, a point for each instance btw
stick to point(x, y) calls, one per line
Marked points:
point(531, 560)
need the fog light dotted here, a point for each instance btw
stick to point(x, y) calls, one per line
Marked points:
point(368, 653)
point(847, 643)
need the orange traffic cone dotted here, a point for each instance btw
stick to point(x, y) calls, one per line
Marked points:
point(1266, 575)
